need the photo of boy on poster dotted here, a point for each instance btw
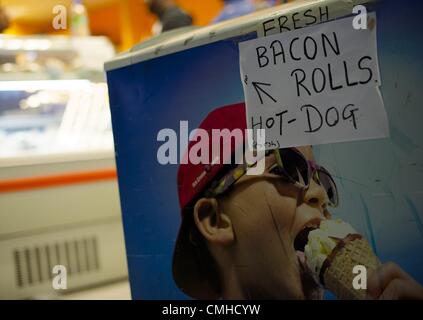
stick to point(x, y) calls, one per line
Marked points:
point(241, 235)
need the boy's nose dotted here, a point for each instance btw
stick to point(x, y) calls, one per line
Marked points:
point(316, 197)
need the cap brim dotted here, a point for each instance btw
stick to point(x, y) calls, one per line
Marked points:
point(191, 270)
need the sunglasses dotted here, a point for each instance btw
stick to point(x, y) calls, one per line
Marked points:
point(291, 166)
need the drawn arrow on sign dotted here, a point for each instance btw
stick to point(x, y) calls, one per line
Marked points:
point(257, 86)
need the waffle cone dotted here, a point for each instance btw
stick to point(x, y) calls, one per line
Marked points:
point(338, 276)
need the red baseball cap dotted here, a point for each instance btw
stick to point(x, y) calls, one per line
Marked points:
point(191, 261)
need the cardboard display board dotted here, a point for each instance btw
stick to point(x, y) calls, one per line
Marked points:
point(159, 96)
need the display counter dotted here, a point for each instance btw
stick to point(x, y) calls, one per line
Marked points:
point(59, 202)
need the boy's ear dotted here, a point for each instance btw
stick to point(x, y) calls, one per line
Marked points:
point(213, 224)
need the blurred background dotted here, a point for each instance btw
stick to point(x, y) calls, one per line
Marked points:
point(59, 201)
point(123, 22)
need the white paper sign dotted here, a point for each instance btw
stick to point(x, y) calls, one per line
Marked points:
point(314, 85)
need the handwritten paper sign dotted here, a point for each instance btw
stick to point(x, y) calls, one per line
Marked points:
point(314, 85)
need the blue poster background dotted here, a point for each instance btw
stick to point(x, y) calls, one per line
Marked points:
point(380, 181)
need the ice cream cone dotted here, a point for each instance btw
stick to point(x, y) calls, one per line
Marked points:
point(337, 271)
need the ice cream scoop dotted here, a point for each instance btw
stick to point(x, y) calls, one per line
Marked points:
point(323, 240)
